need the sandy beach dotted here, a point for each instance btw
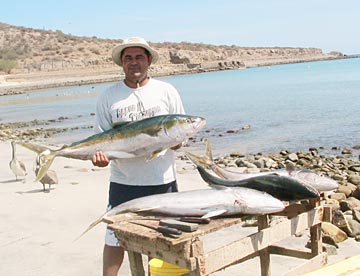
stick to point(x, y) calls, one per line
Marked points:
point(38, 228)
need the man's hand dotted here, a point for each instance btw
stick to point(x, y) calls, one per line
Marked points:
point(100, 159)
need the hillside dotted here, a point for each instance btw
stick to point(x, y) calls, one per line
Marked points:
point(30, 55)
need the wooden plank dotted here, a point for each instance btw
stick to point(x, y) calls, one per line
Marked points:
point(327, 214)
point(136, 264)
point(349, 266)
point(146, 241)
point(228, 254)
point(197, 251)
point(264, 254)
point(296, 253)
point(315, 239)
point(125, 229)
point(310, 265)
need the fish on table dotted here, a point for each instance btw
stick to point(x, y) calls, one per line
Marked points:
point(282, 187)
point(143, 138)
point(16, 166)
point(320, 182)
point(205, 203)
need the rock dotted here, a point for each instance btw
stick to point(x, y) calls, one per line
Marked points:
point(260, 163)
point(244, 163)
point(346, 190)
point(354, 227)
point(340, 221)
point(338, 196)
point(354, 179)
point(346, 151)
point(354, 168)
point(333, 231)
point(329, 241)
point(356, 193)
point(293, 157)
point(356, 214)
point(329, 248)
point(349, 204)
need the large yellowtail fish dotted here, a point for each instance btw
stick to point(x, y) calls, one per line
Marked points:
point(144, 138)
point(206, 203)
point(321, 183)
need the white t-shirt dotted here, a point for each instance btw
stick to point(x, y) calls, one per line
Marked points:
point(121, 103)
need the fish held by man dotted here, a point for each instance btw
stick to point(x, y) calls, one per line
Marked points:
point(143, 138)
point(320, 182)
point(205, 203)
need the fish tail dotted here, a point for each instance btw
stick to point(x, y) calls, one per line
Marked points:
point(49, 158)
point(91, 226)
point(44, 159)
point(204, 160)
point(35, 148)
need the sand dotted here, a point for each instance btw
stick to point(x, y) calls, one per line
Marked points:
point(38, 228)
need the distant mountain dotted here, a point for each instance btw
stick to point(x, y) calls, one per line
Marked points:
point(28, 50)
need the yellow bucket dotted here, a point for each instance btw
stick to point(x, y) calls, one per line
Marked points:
point(160, 268)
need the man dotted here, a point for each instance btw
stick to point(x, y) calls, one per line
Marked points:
point(135, 98)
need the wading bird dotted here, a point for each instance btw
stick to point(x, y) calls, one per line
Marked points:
point(17, 166)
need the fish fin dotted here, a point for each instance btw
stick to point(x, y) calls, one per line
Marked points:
point(214, 213)
point(204, 160)
point(155, 154)
point(199, 161)
point(208, 150)
point(43, 168)
point(43, 154)
point(91, 226)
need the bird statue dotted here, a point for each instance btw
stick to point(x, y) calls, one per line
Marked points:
point(49, 178)
point(17, 166)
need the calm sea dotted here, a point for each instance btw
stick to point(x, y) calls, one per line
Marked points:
point(294, 107)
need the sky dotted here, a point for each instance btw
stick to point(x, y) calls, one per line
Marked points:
point(326, 24)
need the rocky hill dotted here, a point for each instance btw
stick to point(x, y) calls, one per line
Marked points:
point(26, 51)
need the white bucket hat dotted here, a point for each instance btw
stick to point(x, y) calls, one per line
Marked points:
point(133, 42)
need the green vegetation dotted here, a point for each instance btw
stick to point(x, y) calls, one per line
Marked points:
point(7, 60)
point(7, 65)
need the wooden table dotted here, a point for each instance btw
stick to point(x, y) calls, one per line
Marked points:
point(188, 250)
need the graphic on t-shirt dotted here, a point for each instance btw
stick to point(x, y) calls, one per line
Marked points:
point(136, 112)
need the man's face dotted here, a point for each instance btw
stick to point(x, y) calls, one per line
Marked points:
point(135, 63)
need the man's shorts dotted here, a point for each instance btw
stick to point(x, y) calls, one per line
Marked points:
point(120, 193)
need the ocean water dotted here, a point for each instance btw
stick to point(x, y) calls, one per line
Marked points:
point(293, 107)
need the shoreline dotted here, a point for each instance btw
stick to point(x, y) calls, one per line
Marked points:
point(24, 83)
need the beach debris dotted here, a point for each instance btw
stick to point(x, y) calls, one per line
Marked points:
point(205, 203)
point(148, 138)
point(17, 166)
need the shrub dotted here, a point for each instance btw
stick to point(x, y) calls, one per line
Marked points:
point(7, 65)
point(8, 54)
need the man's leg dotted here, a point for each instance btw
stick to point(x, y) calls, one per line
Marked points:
point(113, 257)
